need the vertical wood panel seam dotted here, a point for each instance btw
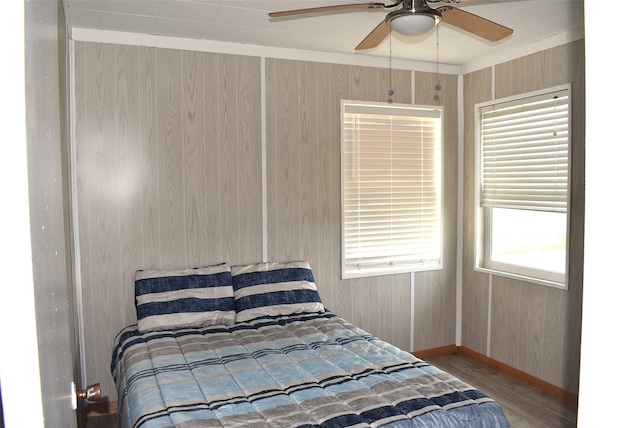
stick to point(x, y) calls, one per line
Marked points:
point(237, 131)
point(412, 289)
point(490, 297)
point(118, 130)
point(413, 86)
point(157, 166)
point(490, 288)
point(459, 210)
point(493, 82)
point(263, 145)
point(412, 312)
point(181, 99)
point(156, 151)
point(140, 154)
point(204, 160)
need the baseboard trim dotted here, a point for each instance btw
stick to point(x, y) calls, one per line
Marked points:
point(436, 352)
point(532, 381)
point(502, 368)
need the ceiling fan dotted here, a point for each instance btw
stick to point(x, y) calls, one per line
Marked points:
point(412, 18)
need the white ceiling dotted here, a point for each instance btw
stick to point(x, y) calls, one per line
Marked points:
point(534, 22)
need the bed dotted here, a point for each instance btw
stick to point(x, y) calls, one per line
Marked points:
point(253, 346)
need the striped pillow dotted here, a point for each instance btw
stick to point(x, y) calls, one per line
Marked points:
point(274, 289)
point(167, 300)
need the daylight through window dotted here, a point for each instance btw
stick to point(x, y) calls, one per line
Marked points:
point(391, 188)
point(524, 164)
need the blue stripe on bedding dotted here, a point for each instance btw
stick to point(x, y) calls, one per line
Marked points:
point(457, 397)
point(186, 282)
point(303, 370)
point(189, 304)
point(274, 298)
point(342, 421)
point(368, 417)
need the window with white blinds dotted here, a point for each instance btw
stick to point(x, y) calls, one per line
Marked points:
point(525, 153)
point(523, 186)
point(391, 188)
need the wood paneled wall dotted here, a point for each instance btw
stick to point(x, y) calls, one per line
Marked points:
point(435, 291)
point(531, 327)
point(169, 150)
point(168, 160)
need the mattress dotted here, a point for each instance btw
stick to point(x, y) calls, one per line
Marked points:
point(301, 370)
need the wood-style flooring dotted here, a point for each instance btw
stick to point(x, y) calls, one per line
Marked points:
point(524, 406)
point(101, 421)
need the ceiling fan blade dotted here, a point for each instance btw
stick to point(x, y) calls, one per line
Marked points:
point(321, 9)
point(474, 24)
point(375, 37)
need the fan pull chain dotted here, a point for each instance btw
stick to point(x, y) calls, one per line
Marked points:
point(390, 92)
point(436, 97)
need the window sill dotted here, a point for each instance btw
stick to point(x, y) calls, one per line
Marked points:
point(386, 271)
point(524, 278)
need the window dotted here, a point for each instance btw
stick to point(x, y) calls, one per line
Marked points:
point(523, 186)
point(391, 188)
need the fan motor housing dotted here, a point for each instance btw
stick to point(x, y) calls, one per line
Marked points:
point(413, 18)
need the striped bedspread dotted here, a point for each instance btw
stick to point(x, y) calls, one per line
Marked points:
point(309, 370)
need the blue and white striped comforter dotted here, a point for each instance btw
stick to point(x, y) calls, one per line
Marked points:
point(310, 370)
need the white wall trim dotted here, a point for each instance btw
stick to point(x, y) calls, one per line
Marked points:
point(460, 211)
point(136, 39)
point(412, 324)
point(263, 126)
point(413, 87)
point(125, 38)
point(493, 82)
point(520, 51)
point(489, 298)
point(490, 288)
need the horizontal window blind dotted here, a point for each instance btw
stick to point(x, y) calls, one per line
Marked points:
point(525, 153)
point(391, 189)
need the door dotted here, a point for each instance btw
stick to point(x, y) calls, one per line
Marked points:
point(47, 146)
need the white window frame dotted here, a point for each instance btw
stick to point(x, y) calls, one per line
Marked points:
point(392, 265)
point(483, 215)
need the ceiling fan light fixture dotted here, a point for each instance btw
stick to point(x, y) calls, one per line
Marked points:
point(413, 24)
